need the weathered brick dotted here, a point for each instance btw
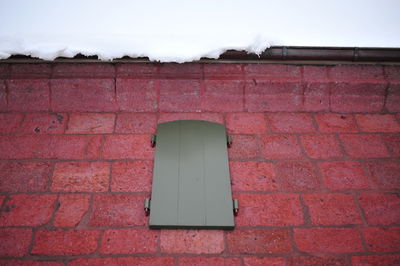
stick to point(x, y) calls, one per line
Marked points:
point(131, 176)
point(317, 261)
point(75, 70)
point(95, 123)
point(316, 97)
point(212, 117)
point(315, 73)
point(343, 175)
point(134, 95)
point(3, 96)
point(30, 263)
point(43, 123)
point(392, 73)
point(117, 210)
point(281, 147)
point(356, 73)
point(5, 70)
point(260, 261)
point(128, 147)
point(332, 209)
point(380, 208)
point(180, 96)
point(259, 241)
point(382, 239)
point(181, 71)
point(384, 174)
point(328, 240)
point(30, 71)
point(9, 122)
point(94, 147)
point(332, 123)
point(321, 146)
point(297, 176)
point(28, 95)
point(223, 71)
point(27, 210)
point(375, 260)
point(393, 144)
point(118, 261)
point(65, 242)
point(290, 123)
point(206, 261)
point(272, 71)
point(129, 241)
point(192, 241)
point(61, 147)
point(136, 123)
point(140, 70)
point(377, 123)
point(248, 176)
point(227, 96)
point(17, 147)
point(245, 123)
point(15, 241)
point(88, 95)
point(392, 103)
point(2, 198)
point(24, 176)
point(244, 147)
point(355, 146)
point(71, 209)
point(81, 177)
point(269, 210)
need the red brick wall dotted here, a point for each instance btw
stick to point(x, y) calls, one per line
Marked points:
point(315, 163)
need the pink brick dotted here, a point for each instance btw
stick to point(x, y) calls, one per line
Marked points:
point(244, 147)
point(71, 209)
point(129, 241)
point(328, 240)
point(246, 123)
point(181, 71)
point(212, 117)
point(223, 96)
point(30, 263)
point(393, 98)
point(3, 96)
point(30, 71)
point(15, 241)
point(316, 97)
point(9, 122)
point(43, 123)
point(207, 261)
point(87, 95)
point(317, 261)
point(118, 261)
point(250, 176)
point(375, 260)
point(393, 144)
point(332, 209)
point(128, 147)
point(117, 210)
point(17, 147)
point(259, 241)
point(380, 208)
point(321, 146)
point(269, 210)
point(74, 70)
point(315, 73)
point(24, 176)
point(355, 146)
point(95, 123)
point(192, 241)
point(135, 95)
point(132, 176)
point(223, 71)
point(356, 73)
point(331, 123)
point(27, 210)
point(385, 174)
point(272, 71)
point(65, 242)
point(137, 70)
point(259, 261)
point(378, 123)
point(343, 175)
point(81, 177)
point(180, 96)
point(290, 123)
point(94, 147)
point(281, 147)
point(136, 123)
point(28, 95)
point(382, 239)
point(61, 147)
point(297, 176)
point(2, 198)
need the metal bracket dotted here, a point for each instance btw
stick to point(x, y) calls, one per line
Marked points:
point(229, 140)
point(147, 203)
point(153, 140)
point(235, 207)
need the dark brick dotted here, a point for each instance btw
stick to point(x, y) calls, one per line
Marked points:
point(118, 261)
point(43, 123)
point(385, 174)
point(393, 144)
point(245, 123)
point(316, 97)
point(321, 146)
point(72, 208)
point(380, 208)
point(181, 71)
point(15, 241)
point(356, 73)
point(382, 239)
point(315, 73)
point(355, 146)
point(248, 176)
point(136, 123)
point(140, 70)
point(272, 71)
point(17, 147)
point(317, 261)
point(262, 261)
point(29, 263)
point(375, 260)
point(297, 176)
point(134, 95)
point(10, 122)
point(129, 241)
point(30, 71)
point(223, 71)
point(180, 96)
point(28, 95)
point(128, 147)
point(290, 123)
point(75, 70)
point(393, 98)
point(131, 176)
point(226, 96)
point(281, 147)
point(3, 96)
point(95, 123)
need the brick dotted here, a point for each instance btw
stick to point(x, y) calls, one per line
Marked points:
point(136, 123)
point(128, 147)
point(206, 261)
point(356, 73)
point(332, 209)
point(117, 210)
point(392, 103)
point(180, 96)
point(132, 176)
point(328, 240)
point(135, 95)
point(81, 177)
point(392, 73)
point(332, 123)
point(28, 95)
point(269, 210)
point(259, 261)
point(94, 147)
point(273, 96)
point(223, 71)
point(384, 174)
point(316, 97)
point(65, 242)
point(15, 241)
point(17, 147)
point(290, 123)
point(315, 73)
point(3, 96)
point(259, 241)
point(212, 117)
point(244, 147)
point(27, 210)
point(30, 71)
point(86, 123)
point(281, 147)
point(71, 209)
point(87, 95)
point(43, 123)
point(321, 146)
point(380, 208)
point(24, 176)
point(355, 146)
point(357, 97)
point(226, 96)
point(343, 175)
point(29, 263)
point(253, 176)
point(272, 71)
point(5, 70)
point(192, 241)
point(181, 71)
point(297, 176)
point(382, 239)
point(129, 241)
point(61, 147)
point(317, 261)
point(377, 123)
point(393, 144)
point(75, 70)
point(375, 260)
point(2, 198)
point(117, 261)
point(246, 123)
point(137, 70)
point(9, 122)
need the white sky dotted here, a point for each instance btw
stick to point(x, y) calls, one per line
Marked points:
point(187, 30)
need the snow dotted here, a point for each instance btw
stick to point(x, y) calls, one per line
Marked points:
point(187, 30)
